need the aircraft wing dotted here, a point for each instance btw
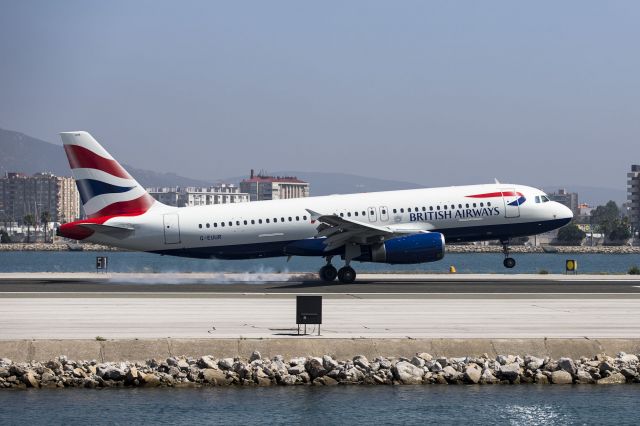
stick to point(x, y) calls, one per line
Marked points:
point(340, 231)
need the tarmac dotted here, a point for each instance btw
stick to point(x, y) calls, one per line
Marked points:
point(148, 315)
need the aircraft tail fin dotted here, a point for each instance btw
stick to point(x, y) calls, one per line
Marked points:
point(106, 188)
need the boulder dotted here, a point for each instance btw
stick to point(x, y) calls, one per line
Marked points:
point(315, 367)
point(628, 372)
point(451, 374)
point(472, 374)
point(225, 363)
point(361, 361)
point(541, 378)
point(182, 364)
point(207, 362)
point(255, 355)
point(417, 361)
point(385, 364)
point(615, 378)
point(505, 359)
point(4, 372)
point(54, 365)
point(325, 381)
point(296, 369)
point(329, 363)
point(583, 377)
point(509, 371)
point(567, 365)
point(488, 377)
point(111, 373)
point(434, 366)
point(561, 377)
point(533, 363)
point(30, 380)
point(407, 373)
point(214, 376)
point(627, 358)
point(425, 356)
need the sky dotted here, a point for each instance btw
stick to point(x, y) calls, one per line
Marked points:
point(432, 92)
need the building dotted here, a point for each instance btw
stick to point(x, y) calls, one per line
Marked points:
point(569, 199)
point(633, 196)
point(199, 196)
point(21, 195)
point(261, 187)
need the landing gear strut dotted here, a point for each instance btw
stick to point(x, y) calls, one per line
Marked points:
point(509, 262)
point(346, 274)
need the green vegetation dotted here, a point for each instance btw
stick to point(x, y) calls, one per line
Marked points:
point(4, 237)
point(571, 235)
point(29, 221)
point(634, 270)
point(45, 218)
point(608, 220)
point(100, 339)
point(543, 272)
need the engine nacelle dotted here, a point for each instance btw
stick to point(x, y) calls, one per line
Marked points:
point(415, 248)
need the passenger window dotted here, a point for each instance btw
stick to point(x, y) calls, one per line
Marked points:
point(488, 203)
point(384, 211)
point(304, 217)
point(290, 219)
point(253, 222)
point(221, 223)
point(430, 208)
point(245, 222)
point(282, 219)
point(260, 221)
point(341, 214)
point(481, 204)
point(267, 220)
point(364, 213)
point(230, 223)
point(437, 207)
point(207, 225)
point(215, 224)
point(424, 209)
point(474, 204)
point(401, 210)
point(467, 205)
point(275, 220)
point(349, 214)
point(356, 213)
point(200, 225)
point(395, 211)
point(445, 206)
point(297, 218)
point(238, 222)
point(453, 206)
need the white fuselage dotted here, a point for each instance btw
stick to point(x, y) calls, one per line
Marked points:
point(261, 229)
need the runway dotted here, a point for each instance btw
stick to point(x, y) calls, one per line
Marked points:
point(120, 306)
point(302, 284)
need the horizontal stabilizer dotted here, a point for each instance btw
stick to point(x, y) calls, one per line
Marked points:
point(119, 232)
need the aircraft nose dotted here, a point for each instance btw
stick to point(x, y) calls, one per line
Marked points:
point(563, 213)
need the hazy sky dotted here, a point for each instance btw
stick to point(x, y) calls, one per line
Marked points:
point(447, 92)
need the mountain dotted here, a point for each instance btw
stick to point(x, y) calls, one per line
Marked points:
point(22, 153)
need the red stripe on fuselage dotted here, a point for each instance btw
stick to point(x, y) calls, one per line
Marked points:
point(82, 158)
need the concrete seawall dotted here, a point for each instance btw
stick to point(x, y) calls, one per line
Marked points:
point(144, 349)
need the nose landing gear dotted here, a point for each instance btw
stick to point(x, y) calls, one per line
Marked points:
point(509, 262)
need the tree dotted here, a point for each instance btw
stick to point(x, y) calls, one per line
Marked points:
point(4, 237)
point(603, 215)
point(619, 231)
point(29, 221)
point(45, 218)
point(571, 235)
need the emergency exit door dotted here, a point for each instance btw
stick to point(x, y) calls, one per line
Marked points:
point(171, 229)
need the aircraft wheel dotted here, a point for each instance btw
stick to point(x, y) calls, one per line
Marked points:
point(328, 273)
point(346, 275)
point(509, 262)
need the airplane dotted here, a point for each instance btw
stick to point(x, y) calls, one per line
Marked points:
point(394, 227)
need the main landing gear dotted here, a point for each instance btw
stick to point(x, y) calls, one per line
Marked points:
point(509, 262)
point(345, 275)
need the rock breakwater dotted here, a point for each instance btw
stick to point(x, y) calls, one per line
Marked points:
point(421, 369)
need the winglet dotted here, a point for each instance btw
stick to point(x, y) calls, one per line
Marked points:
point(496, 181)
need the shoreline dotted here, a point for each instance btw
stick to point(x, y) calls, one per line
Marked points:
point(260, 362)
point(31, 247)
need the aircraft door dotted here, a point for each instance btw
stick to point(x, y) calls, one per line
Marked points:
point(372, 214)
point(512, 202)
point(171, 228)
point(384, 214)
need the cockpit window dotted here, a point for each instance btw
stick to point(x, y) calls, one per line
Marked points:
point(537, 199)
point(544, 199)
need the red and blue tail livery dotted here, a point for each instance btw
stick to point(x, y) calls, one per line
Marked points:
point(105, 187)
